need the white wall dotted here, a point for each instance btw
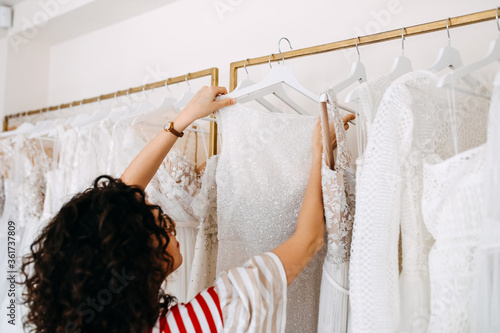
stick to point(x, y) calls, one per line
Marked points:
point(189, 35)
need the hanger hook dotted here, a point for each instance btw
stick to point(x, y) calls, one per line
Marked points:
point(279, 48)
point(166, 86)
point(187, 80)
point(448, 30)
point(245, 67)
point(403, 40)
point(144, 90)
point(270, 60)
point(496, 16)
point(357, 50)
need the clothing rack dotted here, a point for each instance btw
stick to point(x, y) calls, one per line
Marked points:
point(214, 81)
point(415, 30)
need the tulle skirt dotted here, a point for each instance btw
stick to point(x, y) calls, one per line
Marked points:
point(334, 309)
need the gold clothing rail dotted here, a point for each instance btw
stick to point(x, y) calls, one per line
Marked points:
point(214, 81)
point(415, 30)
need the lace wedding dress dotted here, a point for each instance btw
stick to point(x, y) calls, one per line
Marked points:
point(24, 205)
point(453, 210)
point(204, 205)
point(339, 204)
point(173, 188)
point(486, 276)
point(370, 95)
point(261, 177)
point(412, 122)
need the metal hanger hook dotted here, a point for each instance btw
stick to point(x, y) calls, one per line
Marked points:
point(245, 67)
point(144, 90)
point(279, 48)
point(166, 86)
point(357, 50)
point(188, 82)
point(498, 24)
point(270, 60)
point(403, 40)
point(448, 30)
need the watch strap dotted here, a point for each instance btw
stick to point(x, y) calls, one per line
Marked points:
point(172, 130)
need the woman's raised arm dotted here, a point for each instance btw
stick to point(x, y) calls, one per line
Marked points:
point(146, 163)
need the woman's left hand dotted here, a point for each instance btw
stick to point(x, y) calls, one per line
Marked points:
point(318, 138)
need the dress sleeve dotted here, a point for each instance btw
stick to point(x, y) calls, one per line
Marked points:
point(253, 296)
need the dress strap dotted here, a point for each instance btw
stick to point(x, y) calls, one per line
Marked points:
point(343, 157)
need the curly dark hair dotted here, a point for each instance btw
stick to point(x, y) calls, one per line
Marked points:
point(99, 264)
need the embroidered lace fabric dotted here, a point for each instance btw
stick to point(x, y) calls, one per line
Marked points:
point(453, 210)
point(339, 205)
point(370, 95)
point(25, 163)
point(204, 205)
point(261, 177)
point(412, 122)
point(172, 188)
point(485, 292)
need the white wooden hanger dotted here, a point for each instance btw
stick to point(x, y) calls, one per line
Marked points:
point(96, 116)
point(247, 83)
point(358, 74)
point(492, 56)
point(185, 98)
point(272, 84)
point(165, 106)
point(449, 57)
point(402, 64)
point(25, 127)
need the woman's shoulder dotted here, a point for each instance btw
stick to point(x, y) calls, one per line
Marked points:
point(202, 314)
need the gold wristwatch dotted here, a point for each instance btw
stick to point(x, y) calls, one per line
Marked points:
point(169, 127)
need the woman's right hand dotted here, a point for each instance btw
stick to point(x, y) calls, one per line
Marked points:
point(204, 103)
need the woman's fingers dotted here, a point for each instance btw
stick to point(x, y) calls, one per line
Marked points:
point(223, 103)
point(348, 117)
point(219, 91)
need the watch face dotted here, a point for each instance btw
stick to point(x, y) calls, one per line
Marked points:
point(167, 126)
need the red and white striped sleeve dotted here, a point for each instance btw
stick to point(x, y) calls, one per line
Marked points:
point(253, 296)
point(202, 314)
point(250, 298)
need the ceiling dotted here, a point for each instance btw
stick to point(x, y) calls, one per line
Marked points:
point(11, 3)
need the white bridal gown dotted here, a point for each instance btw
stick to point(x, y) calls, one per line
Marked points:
point(339, 188)
point(261, 177)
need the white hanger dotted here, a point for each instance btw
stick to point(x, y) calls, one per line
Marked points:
point(247, 83)
point(402, 64)
point(23, 128)
point(450, 57)
point(165, 106)
point(358, 74)
point(96, 116)
point(272, 84)
point(185, 98)
point(492, 56)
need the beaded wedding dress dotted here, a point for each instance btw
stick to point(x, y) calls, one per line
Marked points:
point(339, 205)
point(412, 122)
point(261, 177)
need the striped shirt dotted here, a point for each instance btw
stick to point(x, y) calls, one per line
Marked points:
point(250, 298)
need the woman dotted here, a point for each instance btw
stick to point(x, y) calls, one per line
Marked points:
point(98, 265)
